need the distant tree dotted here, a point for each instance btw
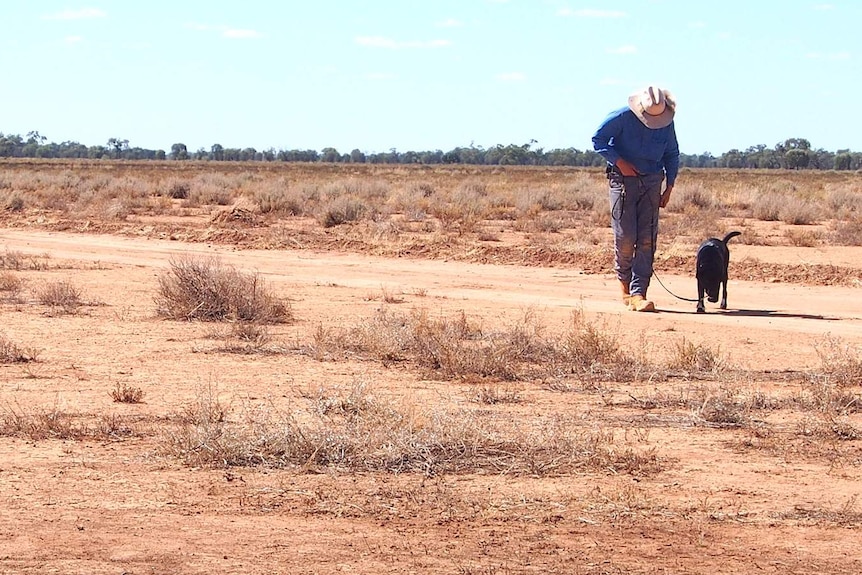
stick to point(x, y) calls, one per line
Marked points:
point(118, 146)
point(842, 161)
point(97, 152)
point(796, 158)
point(329, 155)
point(179, 151)
point(35, 137)
point(357, 157)
point(217, 152)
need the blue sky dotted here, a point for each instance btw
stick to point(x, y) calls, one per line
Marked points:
point(426, 75)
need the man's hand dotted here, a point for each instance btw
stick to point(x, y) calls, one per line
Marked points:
point(665, 196)
point(626, 168)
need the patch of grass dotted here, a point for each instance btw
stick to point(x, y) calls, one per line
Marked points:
point(495, 393)
point(15, 260)
point(205, 289)
point(43, 424)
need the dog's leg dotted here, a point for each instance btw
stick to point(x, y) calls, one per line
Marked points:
point(723, 304)
point(700, 291)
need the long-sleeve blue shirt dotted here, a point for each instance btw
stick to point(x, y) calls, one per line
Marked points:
point(650, 151)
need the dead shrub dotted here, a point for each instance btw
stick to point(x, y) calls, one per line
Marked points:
point(11, 286)
point(798, 211)
point(767, 207)
point(846, 233)
point(721, 408)
point(840, 363)
point(691, 194)
point(802, 238)
point(177, 189)
point(204, 289)
point(60, 295)
point(125, 393)
point(695, 358)
point(14, 202)
point(341, 210)
point(10, 352)
point(279, 198)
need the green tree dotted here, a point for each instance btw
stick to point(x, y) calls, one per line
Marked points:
point(843, 161)
point(179, 151)
point(217, 152)
point(796, 158)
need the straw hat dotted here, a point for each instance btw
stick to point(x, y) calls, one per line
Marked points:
point(653, 106)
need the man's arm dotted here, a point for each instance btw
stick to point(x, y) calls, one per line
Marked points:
point(608, 130)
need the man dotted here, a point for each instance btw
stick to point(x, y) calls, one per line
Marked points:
point(639, 143)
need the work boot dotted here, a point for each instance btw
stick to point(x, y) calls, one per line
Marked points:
point(638, 302)
point(625, 289)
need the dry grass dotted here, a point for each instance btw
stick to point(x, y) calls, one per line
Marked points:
point(204, 289)
point(359, 431)
point(42, 424)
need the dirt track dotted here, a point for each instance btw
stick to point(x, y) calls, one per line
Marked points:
point(119, 507)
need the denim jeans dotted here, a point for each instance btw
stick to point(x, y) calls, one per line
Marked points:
point(634, 220)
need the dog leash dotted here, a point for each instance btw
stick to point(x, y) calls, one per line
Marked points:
point(655, 275)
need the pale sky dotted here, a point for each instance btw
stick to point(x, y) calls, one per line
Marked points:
point(426, 75)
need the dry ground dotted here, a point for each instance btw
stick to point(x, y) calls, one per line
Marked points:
point(732, 445)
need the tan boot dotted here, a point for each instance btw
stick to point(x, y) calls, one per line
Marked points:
point(638, 302)
point(625, 289)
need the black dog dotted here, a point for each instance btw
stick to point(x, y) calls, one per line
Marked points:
point(713, 258)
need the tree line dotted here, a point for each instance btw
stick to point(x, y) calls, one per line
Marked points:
point(793, 153)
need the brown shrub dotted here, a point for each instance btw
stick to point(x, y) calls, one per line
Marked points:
point(204, 289)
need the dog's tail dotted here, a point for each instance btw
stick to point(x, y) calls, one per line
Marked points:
point(731, 235)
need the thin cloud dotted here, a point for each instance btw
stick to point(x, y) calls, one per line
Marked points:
point(450, 23)
point(833, 56)
point(380, 76)
point(824, 6)
point(80, 14)
point(238, 33)
point(390, 44)
point(591, 13)
point(226, 31)
point(699, 25)
point(73, 39)
point(623, 50)
point(511, 77)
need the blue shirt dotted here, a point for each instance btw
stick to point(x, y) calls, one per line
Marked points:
point(650, 151)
